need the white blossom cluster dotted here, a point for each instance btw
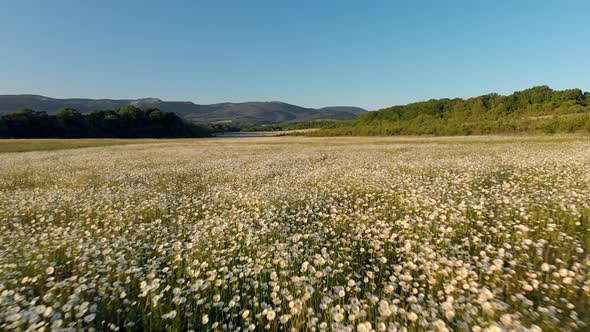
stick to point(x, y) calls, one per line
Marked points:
point(300, 234)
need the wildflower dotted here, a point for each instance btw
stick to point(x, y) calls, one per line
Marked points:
point(270, 315)
point(563, 272)
point(48, 312)
point(169, 315)
point(245, 314)
point(89, 318)
point(364, 327)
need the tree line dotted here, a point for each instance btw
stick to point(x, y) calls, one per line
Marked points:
point(125, 122)
point(535, 110)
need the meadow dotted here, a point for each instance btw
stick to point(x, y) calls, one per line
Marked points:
point(301, 234)
point(25, 145)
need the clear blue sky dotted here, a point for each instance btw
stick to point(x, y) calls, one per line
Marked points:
point(312, 53)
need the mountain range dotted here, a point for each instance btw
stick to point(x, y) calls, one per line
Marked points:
point(246, 112)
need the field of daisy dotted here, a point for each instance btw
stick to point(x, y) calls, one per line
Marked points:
point(288, 233)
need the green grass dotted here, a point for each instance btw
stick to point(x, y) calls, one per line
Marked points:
point(25, 145)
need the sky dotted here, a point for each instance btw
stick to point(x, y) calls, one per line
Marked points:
point(370, 54)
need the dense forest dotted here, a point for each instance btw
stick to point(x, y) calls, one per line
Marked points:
point(536, 110)
point(125, 122)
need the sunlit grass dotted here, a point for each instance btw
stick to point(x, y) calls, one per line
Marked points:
point(24, 145)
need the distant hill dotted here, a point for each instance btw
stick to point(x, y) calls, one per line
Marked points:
point(248, 112)
point(535, 110)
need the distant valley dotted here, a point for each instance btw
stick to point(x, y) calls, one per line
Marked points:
point(247, 112)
